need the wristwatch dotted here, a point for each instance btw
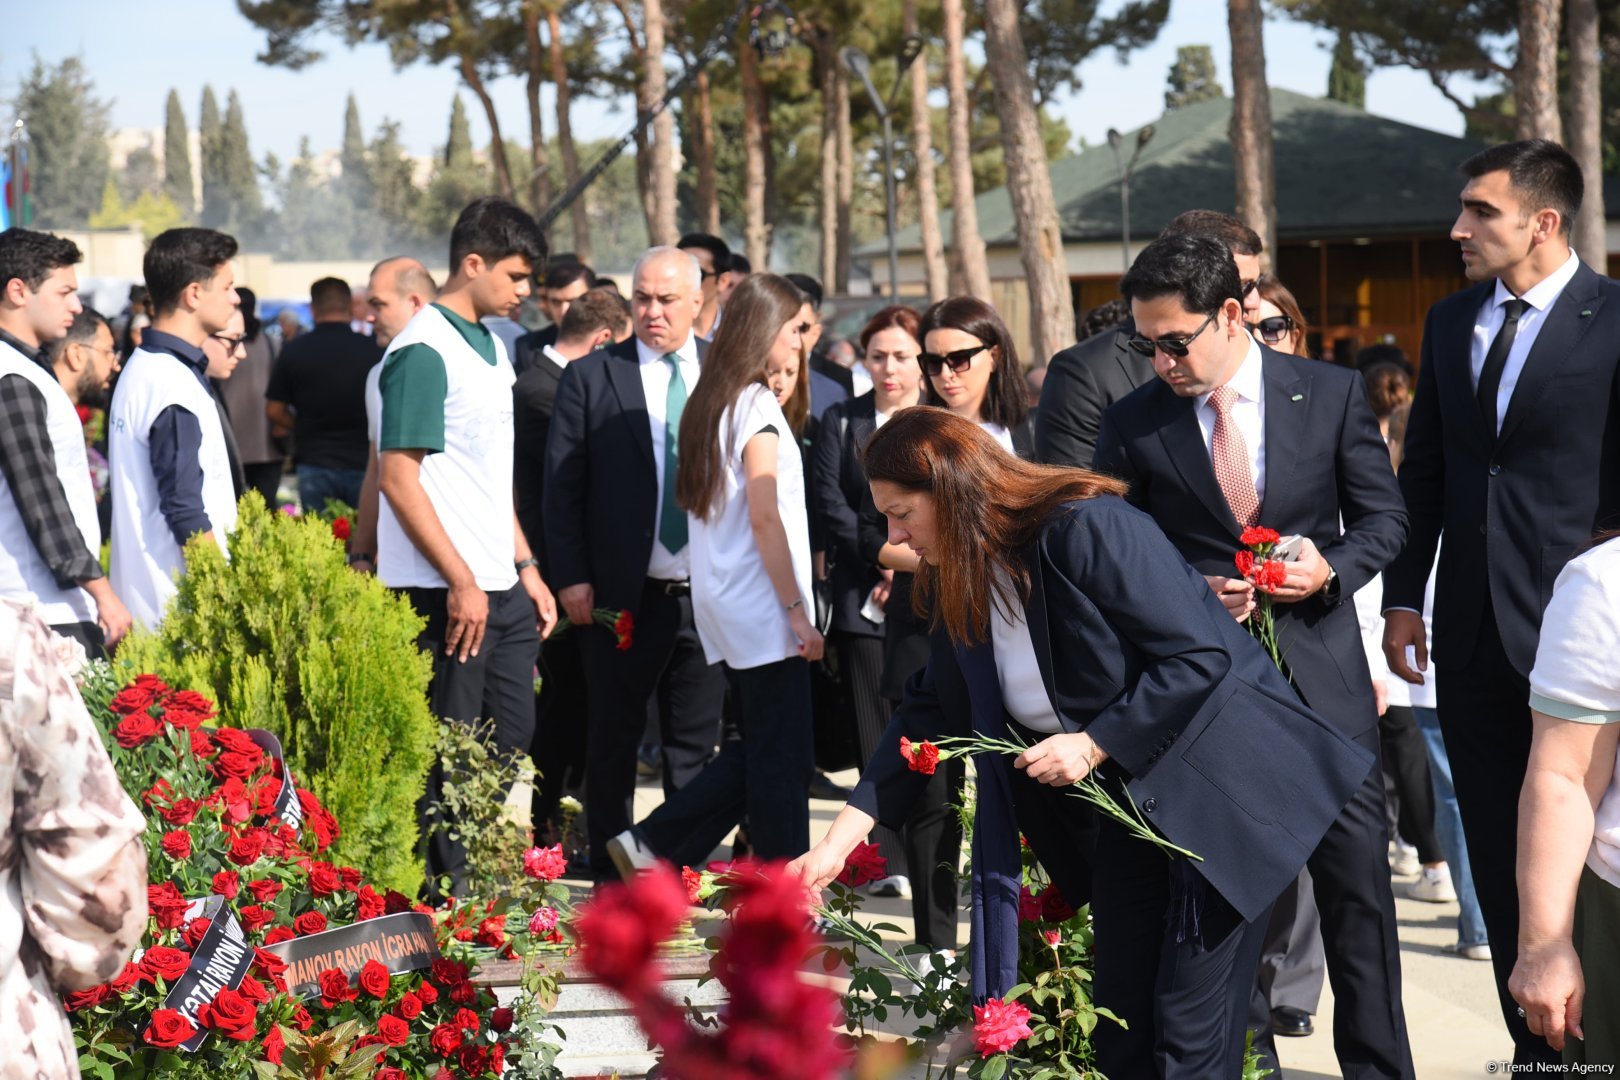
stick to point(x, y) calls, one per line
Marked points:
point(361, 556)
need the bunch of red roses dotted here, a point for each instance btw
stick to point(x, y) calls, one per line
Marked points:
point(212, 799)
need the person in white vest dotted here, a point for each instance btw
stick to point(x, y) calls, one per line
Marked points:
point(50, 538)
point(447, 530)
point(171, 471)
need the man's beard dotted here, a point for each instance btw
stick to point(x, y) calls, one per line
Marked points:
point(92, 391)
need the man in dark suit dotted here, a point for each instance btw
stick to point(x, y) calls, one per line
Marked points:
point(616, 539)
point(1233, 434)
point(592, 321)
point(1086, 378)
point(567, 279)
point(1510, 454)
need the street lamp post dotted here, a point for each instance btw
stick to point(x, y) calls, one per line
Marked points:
point(1115, 141)
point(860, 65)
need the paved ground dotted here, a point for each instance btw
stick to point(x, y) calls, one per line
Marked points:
point(1451, 1008)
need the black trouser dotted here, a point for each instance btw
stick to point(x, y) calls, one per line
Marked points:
point(764, 774)
point(686, 703)
point(1485, 718)
point(620, 685)
point(1406, 768)
point(265, 478)
point(497, 686)
point(558, 749)
point(87, 634)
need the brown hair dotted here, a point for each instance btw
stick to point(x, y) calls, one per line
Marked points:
point(1006, 401)
point(890, 317)
point(1277, 293)
point(1387, 387)
point(597, 310)
point(1399, 416)
point(759, 308)
point(1238, 237)
point(988, 506)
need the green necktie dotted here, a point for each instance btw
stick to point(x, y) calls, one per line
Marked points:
point(672, 527)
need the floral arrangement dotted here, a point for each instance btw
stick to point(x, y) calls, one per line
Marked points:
point(1255, 562)
point(223, 840)
point(621, 622)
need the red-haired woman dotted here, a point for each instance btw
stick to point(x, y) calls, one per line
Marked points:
point(1062, 614)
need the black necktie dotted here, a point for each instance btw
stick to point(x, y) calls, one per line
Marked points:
point(1490, 376)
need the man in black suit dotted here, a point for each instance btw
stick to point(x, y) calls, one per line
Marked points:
point(616, 539)
point(567, 280)
point(1234, 434)
point(591, 322)
point(1510, 454)
point(1086, 378)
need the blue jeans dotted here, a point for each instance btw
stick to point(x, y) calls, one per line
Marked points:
point(317, 483)
point(1448, 826)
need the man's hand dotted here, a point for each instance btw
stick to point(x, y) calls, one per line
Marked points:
point(1307, 574)
point(1380, 695)
point(1061, 760)
point(578, 601)
point(1401, 629)
point(545, 607)
point(1550, 988)
point(810, 641)
point(113, 616)
point(468, 609)
point(1235, 593)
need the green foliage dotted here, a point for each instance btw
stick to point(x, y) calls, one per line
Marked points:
point(472, 807)
point(1192, 78)
point(1347, 78)
point(244, 205)
point(211, 147)
point(177, 156)
point(285, 637)
point(152, 211)
point(67, 142)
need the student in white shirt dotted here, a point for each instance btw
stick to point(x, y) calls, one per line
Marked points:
point(741, 482)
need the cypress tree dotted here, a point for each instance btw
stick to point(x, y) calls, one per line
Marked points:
point(177, 181)
point(356, 181)
point(1347, 78)
point(238, 173)
point(216, 205)
point(458, 152)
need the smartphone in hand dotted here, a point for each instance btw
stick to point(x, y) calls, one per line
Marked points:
point(1288, 548)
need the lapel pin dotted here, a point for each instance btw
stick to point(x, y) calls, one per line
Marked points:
point(1586, 312)
point(1297, 397)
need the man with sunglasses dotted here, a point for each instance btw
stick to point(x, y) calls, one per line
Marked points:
point(713, 257)
point(1232, 434)
point(50, 535)
point(1084, 379)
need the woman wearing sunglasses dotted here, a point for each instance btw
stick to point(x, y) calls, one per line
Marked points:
point(972, 370)
point(1279, 322)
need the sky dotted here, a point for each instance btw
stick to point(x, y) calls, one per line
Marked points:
point(136, 54)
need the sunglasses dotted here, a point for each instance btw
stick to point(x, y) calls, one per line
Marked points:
point(1248, 287)
point(1170, 346)
point(1272, 330)
point(934, 363)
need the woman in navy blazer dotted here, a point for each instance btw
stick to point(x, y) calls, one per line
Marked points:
point(1151, 684)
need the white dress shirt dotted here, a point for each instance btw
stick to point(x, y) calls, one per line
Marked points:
point(554, 356)
point(1000, 434)
point(1248, 412)
point(665, 565)
point(1488, 323)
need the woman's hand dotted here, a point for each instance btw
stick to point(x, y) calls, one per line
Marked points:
point(1548, 985)
point(818, 866)
point(1061, 760)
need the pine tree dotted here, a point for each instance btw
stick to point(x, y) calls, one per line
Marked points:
point(67, 142)
point(1347, 78)
point(216, 204)
point(238, 172)
point(1192, 78)
point(177, 157)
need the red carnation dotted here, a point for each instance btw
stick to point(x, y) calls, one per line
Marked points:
point(624, 628)
point(1256, 535)
point(1244, 561)
point(335, 988)
point(920, 757)
point(864, 864)
point(689, 877)
point(374, 979)
point(1271, 575)
point(998, 1026)
point(230, 1014)
point(177, 844)
point(310, 922)
point(492, 932)
point(393, 1030)
point(162, 962)
point(445, 1040)
point(136, 729)
point(227, 883)
point(168, 1029)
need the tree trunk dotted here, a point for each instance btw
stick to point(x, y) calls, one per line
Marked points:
point(846, 182)
point(827, 62)
point(968, 245)
point(579, 211)
point(497, 145)
point(540, 178)
point(756, 229)
point(661, 169)
point(1586, 129)
point(922, 146)
point(708, 185)
point(1029, 184)
point(1535, 75)
point(1251, 124)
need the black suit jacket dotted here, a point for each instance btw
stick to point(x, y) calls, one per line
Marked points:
point(1082, 381)
point(533, 396)
point(840, 494)
point(1513, 509)
point(1135, 649)
point(1325, 461)
point(601, 487)
point(531, 346)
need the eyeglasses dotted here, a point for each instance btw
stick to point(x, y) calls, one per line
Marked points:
point(934, 363)
point(1272, 330)
point(231, 343)
point(706, 274)
point(1170, 346)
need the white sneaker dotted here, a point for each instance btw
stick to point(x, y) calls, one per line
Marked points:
point(630, 855)
point(895, 885)
point(1433, 886)
point(1403, 861)
point(1481, 951)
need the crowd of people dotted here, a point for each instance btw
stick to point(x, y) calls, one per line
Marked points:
point(800, 543)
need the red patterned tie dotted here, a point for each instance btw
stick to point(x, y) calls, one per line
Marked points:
point(1230, 456)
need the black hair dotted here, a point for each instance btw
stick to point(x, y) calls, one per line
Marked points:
point(251, 323)
point(563, 273)
point(1105, 316)
point(1198, 269)
point(1384, 353)
point(1006, 401)
point(82, 331)
point(809, 286)
point(1541, 171)
point(496, 229)
point(1237, 236)
point(181, 257)
point(330, 294)
point(713, 245)
point(740, 264)
point(32, 256)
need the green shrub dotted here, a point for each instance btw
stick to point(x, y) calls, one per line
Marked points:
point(286, 637)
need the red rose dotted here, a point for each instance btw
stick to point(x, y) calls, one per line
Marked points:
point(265, 793)
point(168, 1029)
point(998, 1026)
point(427, 993)
point(195, 929)
point(1256, 535)
point(1029, 905)
point(158, 794)
point(302, 1020)
point(187, 709)
point(1054, 908)
point(166, 904)
point(920, 757)
point(323, 879)
point(255, 918)
point(235, 741)
point(448, 972)
point(445, 1040)
point(368, 904)
point(622, 926)
point(227, 883)
point(240, 766)
point(374, 979)
point(270, 965)
point(474, 1060)
point(864, 864)
point(264, 890)
point(253, 990)
point(310, 922)
point(136, 729)
point(395, 902)
point(202, 744)
point(180, 812)
point(497, 1059)
point(335, 988)
point(409, 1007)
point(501, 1019)
point(389, 1072)
point(246, 849)
point(274, 1044)
point(393, 1030)
point(230, 1014)
point(279, 934)
point(545, 864)
point(340, 528)
point(132, 700)
point(467, 1020)
point(125, 980)
point(177, 844)
point(464, 993)
point(88, 999)
point(162, 962)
